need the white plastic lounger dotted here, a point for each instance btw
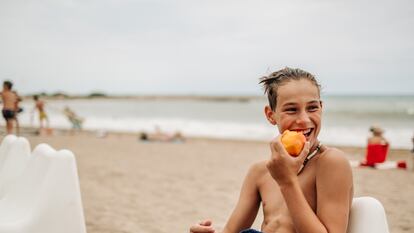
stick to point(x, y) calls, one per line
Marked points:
point(44, 197)
point(367, 216)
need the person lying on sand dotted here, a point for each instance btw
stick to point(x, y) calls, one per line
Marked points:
point(160, 136)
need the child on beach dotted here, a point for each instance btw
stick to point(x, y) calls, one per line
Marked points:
point(10, 106)
point(316, 198)
point(40, 107)
point(74, 119)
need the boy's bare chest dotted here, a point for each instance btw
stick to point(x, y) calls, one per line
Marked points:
point(272, 199)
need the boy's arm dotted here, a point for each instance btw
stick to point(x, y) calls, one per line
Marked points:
point(247, 207)
point(334, 186)
point(334, 194)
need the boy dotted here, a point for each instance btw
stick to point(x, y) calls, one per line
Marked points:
point(313, 199)
point(10, 104)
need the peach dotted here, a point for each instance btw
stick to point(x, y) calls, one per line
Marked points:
point(293, 142)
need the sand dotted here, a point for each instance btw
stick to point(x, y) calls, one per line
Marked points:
point(156, 187)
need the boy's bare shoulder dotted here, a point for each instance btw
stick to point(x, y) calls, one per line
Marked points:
point(334, 173)
point(258, 169)
point(333, 159)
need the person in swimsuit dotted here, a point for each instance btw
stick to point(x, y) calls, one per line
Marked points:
point(310, 193)
point(10, 103)
point(40, 107)
point(160, 136)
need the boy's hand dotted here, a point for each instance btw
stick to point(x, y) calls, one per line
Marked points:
point(203, 227)
point(283, 167)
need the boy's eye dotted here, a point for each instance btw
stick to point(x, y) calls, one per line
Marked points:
point(290, 109)
point(313, 108)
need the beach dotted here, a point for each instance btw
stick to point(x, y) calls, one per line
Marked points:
point(104, 78)
point(159, 187)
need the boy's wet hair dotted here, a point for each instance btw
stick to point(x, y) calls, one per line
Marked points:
point(35, 97)
point(8, 84)
point(278, 78)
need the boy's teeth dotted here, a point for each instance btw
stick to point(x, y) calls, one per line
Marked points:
point(306, 131)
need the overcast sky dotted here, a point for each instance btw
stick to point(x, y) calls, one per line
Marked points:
point(205, 47)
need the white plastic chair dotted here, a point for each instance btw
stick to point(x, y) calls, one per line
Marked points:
point(14, 156)
point(4, 147)
point(367, 216)
point(45, 197)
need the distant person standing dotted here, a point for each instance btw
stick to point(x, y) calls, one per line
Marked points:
point(10, 104)
point(412, 139)
point(410, 164)
point(40, 107)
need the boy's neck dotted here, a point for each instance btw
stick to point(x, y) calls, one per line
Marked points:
point(311, 154)
point(314, 146)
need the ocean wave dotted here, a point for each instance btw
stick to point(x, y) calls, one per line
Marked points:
point(332, 135)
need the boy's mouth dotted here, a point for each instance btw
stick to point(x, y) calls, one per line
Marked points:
point(306, 132)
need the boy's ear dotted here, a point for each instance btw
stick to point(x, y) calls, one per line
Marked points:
point(269, 115)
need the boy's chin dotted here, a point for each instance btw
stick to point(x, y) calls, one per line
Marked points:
point(312, 141)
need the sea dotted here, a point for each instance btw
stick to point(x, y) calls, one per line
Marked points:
point(345, 122)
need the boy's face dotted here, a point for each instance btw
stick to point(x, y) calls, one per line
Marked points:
point(298, 108)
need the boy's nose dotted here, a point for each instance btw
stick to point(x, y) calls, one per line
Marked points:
point(302, 119)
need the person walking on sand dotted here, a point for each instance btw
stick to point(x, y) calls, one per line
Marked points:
point(40, 107)
point(10, 104)
point(309, 193)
